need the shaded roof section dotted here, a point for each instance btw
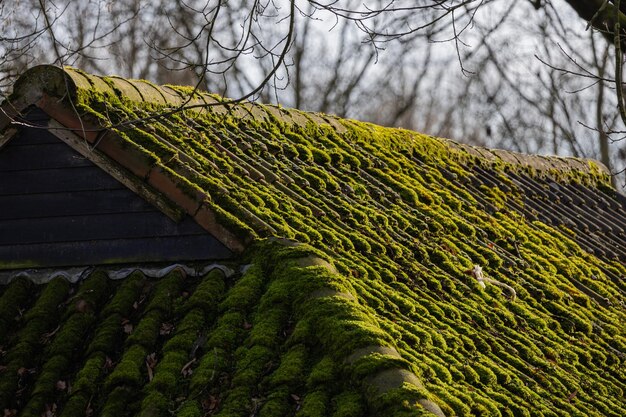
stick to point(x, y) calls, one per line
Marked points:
point(404, 218)
point(286, 335)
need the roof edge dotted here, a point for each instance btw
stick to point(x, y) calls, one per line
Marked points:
point(561, 169)
point(58, 82)
point(30, 87)
point(536, 164)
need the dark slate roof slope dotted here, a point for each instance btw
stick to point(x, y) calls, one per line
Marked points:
point(481, 282)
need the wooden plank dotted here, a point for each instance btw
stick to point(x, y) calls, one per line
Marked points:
point(32, 136)
point(37, 116)
point(7, 137)
point(122, 251)
point(22, 135)
point(101, 226)
point(121, 174)
point(28, 206)
point(56, 180)
point(40, 156)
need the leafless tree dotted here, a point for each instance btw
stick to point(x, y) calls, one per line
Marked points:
point(524, 75)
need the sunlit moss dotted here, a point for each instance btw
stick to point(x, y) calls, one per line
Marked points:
point(400, 220)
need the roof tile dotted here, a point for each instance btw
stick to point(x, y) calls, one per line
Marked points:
point(404, 220)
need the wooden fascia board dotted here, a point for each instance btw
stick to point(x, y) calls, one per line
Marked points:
point(8, 113)
point(10, 109)
point(6, 136)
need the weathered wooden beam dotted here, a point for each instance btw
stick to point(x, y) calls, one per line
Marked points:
point(6, 136)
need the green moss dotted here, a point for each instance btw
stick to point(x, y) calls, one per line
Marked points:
point(71, 335)
point(130, 370)
point(374, 363)
point(165, 291)
point(320, 156)
point(147, 330)
point(315, 404)
point(324, 372)
point(107, 336)
point(232, 223)
point(403, 401)
point(125, 296)
point(39, 320)
point(246, 291)
point(13, 298)
point(189, 409)
point(304, 153)
point(290, 372)
point(277, 403)
point(398, 219)
point(154, 404)
point(118, 401)
point(267, 328)
point(86, 385)
point(49, 300)
point(347, 404)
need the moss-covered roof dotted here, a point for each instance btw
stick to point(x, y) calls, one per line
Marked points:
point(434, 276)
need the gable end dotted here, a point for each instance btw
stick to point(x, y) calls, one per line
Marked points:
point(61, 209)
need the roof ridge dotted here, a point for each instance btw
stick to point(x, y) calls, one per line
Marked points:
point(69, 81)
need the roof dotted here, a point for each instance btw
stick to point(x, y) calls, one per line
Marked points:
point(427, 274)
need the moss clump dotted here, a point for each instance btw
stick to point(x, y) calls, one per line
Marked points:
point(290, 372)
point(348, 404)
point(85, 386)
point(117, 402)
point(13, 298)
point(39, 320)
point(130, 370)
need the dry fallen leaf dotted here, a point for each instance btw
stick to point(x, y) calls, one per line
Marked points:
point(151, 362)
point(166, 328)
point(572, 396)
point(210, 404)
point(187, 371)
point(151, 359)
point(449, 249)
point(82, 306)
point(61, 385)
point(22, 371)
point(88, 410)
point(20, 314)
point(108, 364)
point(50, 410)
point(46, 337)
point(127, 326)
